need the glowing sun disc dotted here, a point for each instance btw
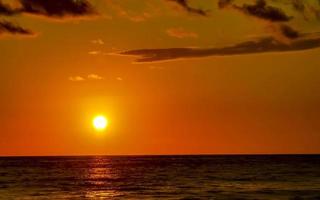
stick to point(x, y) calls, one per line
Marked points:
point(100, 122)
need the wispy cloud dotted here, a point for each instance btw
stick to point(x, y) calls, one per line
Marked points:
point(284, 37)
point(97, 41)
point(181, 33)
point(58, 9)
point(283, 33)
point(62, 9)
point(94, 77)
point(76, 78)
point(94, 52)
point(9, 28)
point(273, 17)
point(261, 45)
point(184, 4)
point(90, 77)
point(259, 10)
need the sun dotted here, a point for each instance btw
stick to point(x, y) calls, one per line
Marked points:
point(100, 123)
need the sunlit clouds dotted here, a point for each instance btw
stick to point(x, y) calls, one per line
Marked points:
point(94, 77)
point(98, 42)
point(94, 52)
point(76, 78)
point(90, 77)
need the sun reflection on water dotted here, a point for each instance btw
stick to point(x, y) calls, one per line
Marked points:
point(100, 178)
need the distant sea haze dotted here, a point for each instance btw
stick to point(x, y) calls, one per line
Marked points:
point(161, 177)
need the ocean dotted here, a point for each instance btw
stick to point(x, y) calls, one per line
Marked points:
point(161, 177)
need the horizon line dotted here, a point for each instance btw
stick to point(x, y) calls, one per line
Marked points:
point(164, 155)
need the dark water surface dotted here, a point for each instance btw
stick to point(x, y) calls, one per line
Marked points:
point(161, 177)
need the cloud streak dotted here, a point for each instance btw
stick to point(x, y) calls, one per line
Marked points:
point(258, 10)
point(91, 77)
point(94, 77)
point(275, 18)
point(184, 4)
point(7, 27)
point(58, 9)
point(76, 78)
point(262, 45)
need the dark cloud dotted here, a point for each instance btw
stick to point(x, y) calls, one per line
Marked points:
point(58, 8)
point(6, 10)
point(275, 17)
point(289, 32)
point(263, 45)
point(185, 5)
point(7, 27)
point(224, 3)
point(259, 10)
point(307, 9)
point(282, 32)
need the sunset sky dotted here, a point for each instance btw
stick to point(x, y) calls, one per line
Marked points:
point(171, 76)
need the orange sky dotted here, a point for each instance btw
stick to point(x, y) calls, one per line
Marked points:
point(56, 78)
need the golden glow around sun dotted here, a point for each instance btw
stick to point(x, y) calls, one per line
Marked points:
point(100, 122)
